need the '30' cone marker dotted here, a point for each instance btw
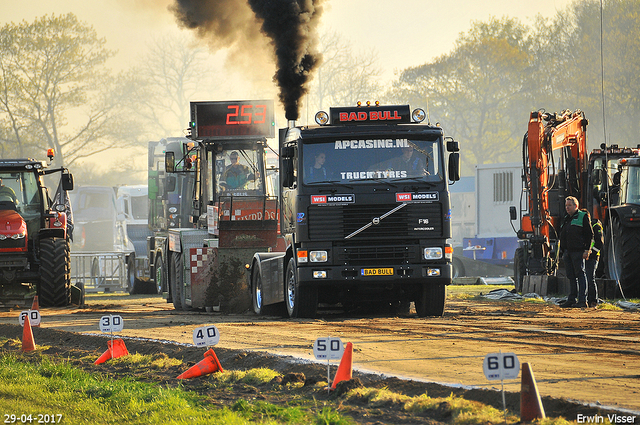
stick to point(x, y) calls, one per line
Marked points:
point(116, 349)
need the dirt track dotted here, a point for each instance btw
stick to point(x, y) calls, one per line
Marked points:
point(588, 355)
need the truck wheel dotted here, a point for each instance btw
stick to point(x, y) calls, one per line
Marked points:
point(175, 279)
point(161, 275)
point(55, 283)
point(258, 300)
point(623, 257)
point(300, 301)
point(431, 300)
point(519, 269)
point(131, 275)
point(458, 268)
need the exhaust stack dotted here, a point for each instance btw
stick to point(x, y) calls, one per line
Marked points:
point(291, 123)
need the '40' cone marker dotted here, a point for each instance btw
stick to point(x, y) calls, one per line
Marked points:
point(28, 344)
point(115, 350)
point(208, 365)
point(345, 368)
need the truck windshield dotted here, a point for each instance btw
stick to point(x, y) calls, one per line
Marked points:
point(356, 161)
point(237, 173)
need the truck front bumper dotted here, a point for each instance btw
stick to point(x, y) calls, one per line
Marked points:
point(405, 275)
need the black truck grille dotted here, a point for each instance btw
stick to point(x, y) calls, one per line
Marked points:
point(375, 256)
point(408, 222)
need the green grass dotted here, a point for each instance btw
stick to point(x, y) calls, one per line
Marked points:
point(33, 385)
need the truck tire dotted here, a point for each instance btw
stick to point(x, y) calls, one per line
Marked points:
point(175, 279)
point(431, 300)
point(300, 301)
point(623, 257)
point(519, 269)
point(132, 287)
point(458, 268)
point(55, 282)
point(161, 275)
point(256, 295)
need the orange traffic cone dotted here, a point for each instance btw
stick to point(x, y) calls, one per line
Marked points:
point(35, 306)
point(209, 365)
point(530, 403)
point(345, 368)
point(116, 349)
point(28, 344)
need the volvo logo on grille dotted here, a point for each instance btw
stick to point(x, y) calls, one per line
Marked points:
point(376, 221)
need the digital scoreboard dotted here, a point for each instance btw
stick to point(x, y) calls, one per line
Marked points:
point(225, 119)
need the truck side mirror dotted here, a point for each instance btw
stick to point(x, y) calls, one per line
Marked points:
point(513, 213)
point(287, 172)
point(67, 181)
point(454, 166)
point(453, 146)
point(169, 162)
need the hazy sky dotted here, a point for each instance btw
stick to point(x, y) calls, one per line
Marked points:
point(404, 33)
point(411, 34)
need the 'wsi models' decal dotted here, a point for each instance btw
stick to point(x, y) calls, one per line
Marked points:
point(332, 199)
point(418, 197)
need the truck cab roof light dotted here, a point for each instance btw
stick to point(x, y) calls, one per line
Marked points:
point(322, 118)
point(418, 115)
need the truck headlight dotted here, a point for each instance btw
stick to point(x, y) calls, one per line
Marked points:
point(318, 256)
point(434, 253)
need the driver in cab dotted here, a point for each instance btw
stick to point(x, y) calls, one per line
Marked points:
point(236, 175)
point(8, 198)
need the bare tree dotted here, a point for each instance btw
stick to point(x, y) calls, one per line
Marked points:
point(343, 78)
point(172, 73)
point(51, 69)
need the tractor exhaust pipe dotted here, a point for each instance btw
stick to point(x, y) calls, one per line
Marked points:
point(291, 123)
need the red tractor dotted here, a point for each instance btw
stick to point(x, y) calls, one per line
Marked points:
point(35, 232)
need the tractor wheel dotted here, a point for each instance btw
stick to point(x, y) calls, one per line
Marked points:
point(55, 283)
point(431, 300)
point(623, 257)
point(519, 269)
point(300, 301)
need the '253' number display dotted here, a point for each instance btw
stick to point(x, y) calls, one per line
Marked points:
point(247, 114)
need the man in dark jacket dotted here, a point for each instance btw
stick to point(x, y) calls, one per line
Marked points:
point(575, 241)
point(592, 263)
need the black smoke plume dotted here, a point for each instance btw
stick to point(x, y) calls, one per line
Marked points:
point(290, 25)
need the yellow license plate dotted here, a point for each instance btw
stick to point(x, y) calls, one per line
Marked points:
point(377, 272)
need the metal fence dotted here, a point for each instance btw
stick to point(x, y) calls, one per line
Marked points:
point(100, 271)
